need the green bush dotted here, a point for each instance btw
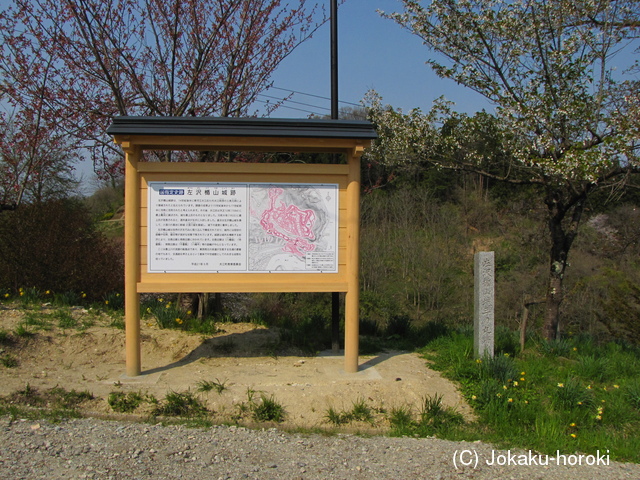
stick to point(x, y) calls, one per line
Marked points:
point(54, 246)
point(267, 410)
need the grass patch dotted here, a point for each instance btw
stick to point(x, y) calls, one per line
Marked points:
point(54, 404)
point(9, 361)
point(567, 395)
point(38, 321)
point(360, 412)
point(23, 331)
point(129, 402)
point(434, 419)
point(337, 417)
point(268, 409)
point(180, 404)
point(209, 385)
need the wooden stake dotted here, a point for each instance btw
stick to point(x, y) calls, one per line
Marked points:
point(352, 297)
point(132, 262)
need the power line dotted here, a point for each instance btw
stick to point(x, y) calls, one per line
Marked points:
point(293, 101)
point(312, 95)
point(291, 108)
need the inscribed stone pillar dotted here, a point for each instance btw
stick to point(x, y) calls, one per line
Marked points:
point(484, 301)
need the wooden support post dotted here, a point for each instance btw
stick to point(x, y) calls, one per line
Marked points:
point(352, 297)
point(132, 261)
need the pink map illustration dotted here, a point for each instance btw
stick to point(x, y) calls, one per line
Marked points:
point(290, 223)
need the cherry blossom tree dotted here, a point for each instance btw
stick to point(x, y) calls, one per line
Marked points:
point(89, 60)
point(35, 163)
point(567, 119)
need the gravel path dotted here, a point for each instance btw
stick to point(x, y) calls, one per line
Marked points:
point(92, 448)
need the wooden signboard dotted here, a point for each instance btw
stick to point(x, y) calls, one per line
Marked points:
point(241, 227)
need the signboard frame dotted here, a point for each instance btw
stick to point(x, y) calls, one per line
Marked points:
point(137, 134)
point(242, 173)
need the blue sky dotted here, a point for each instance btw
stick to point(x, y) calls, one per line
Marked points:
point(373, 53)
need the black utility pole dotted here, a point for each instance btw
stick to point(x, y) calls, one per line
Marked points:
point(335, 296)
point(334, 59)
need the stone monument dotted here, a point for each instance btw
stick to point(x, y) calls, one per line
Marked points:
point(484, 302)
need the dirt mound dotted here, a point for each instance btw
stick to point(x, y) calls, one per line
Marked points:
point(242, 358)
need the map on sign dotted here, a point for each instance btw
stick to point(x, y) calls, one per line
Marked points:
point(242, 227)
point(293, 228)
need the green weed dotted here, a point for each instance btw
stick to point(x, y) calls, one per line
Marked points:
point(39, 321)
point(113, 301)
point(267, 409)
point(29, 296)
point(360, 411)
point(572, 394)
point(401, 418)
point(66, 319)
point(180, 404)
point(500, 367)
point(208, 385)
point(125, 402)
point(632, 393)
point(23, 331)
point(9, 361)
point(336, 417)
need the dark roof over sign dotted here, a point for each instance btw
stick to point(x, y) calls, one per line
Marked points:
point(243, 127)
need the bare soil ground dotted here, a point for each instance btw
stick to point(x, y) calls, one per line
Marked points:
point(238, 357)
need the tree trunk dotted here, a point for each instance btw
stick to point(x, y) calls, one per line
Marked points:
point(563, 233)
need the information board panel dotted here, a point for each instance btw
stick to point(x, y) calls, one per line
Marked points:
point(210, 227)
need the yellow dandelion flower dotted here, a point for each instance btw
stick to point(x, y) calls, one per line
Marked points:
point(21, 293)
point(561, 385)
point(506, 354)
point(47, 292)
point(598, 417)
point(473, 397)
point(504, 387)
point(573, 435)
point(588, 387)
point(479, 360)
point(188, 312)
point(522, 379)
point(168, 305)
point(6, 295)
point(498, 394)
point(527, 402)
point(579, 403)
point(148, 310)
point(572, 424)
point(515, 384)
point(106, 302)
point(179, 321)
point(575, 349)
point(84, 295)
point(522, 373)
point(603, 401)
point(604, 388)
point(161, 300)
point(616, 386)
point(510, 400)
